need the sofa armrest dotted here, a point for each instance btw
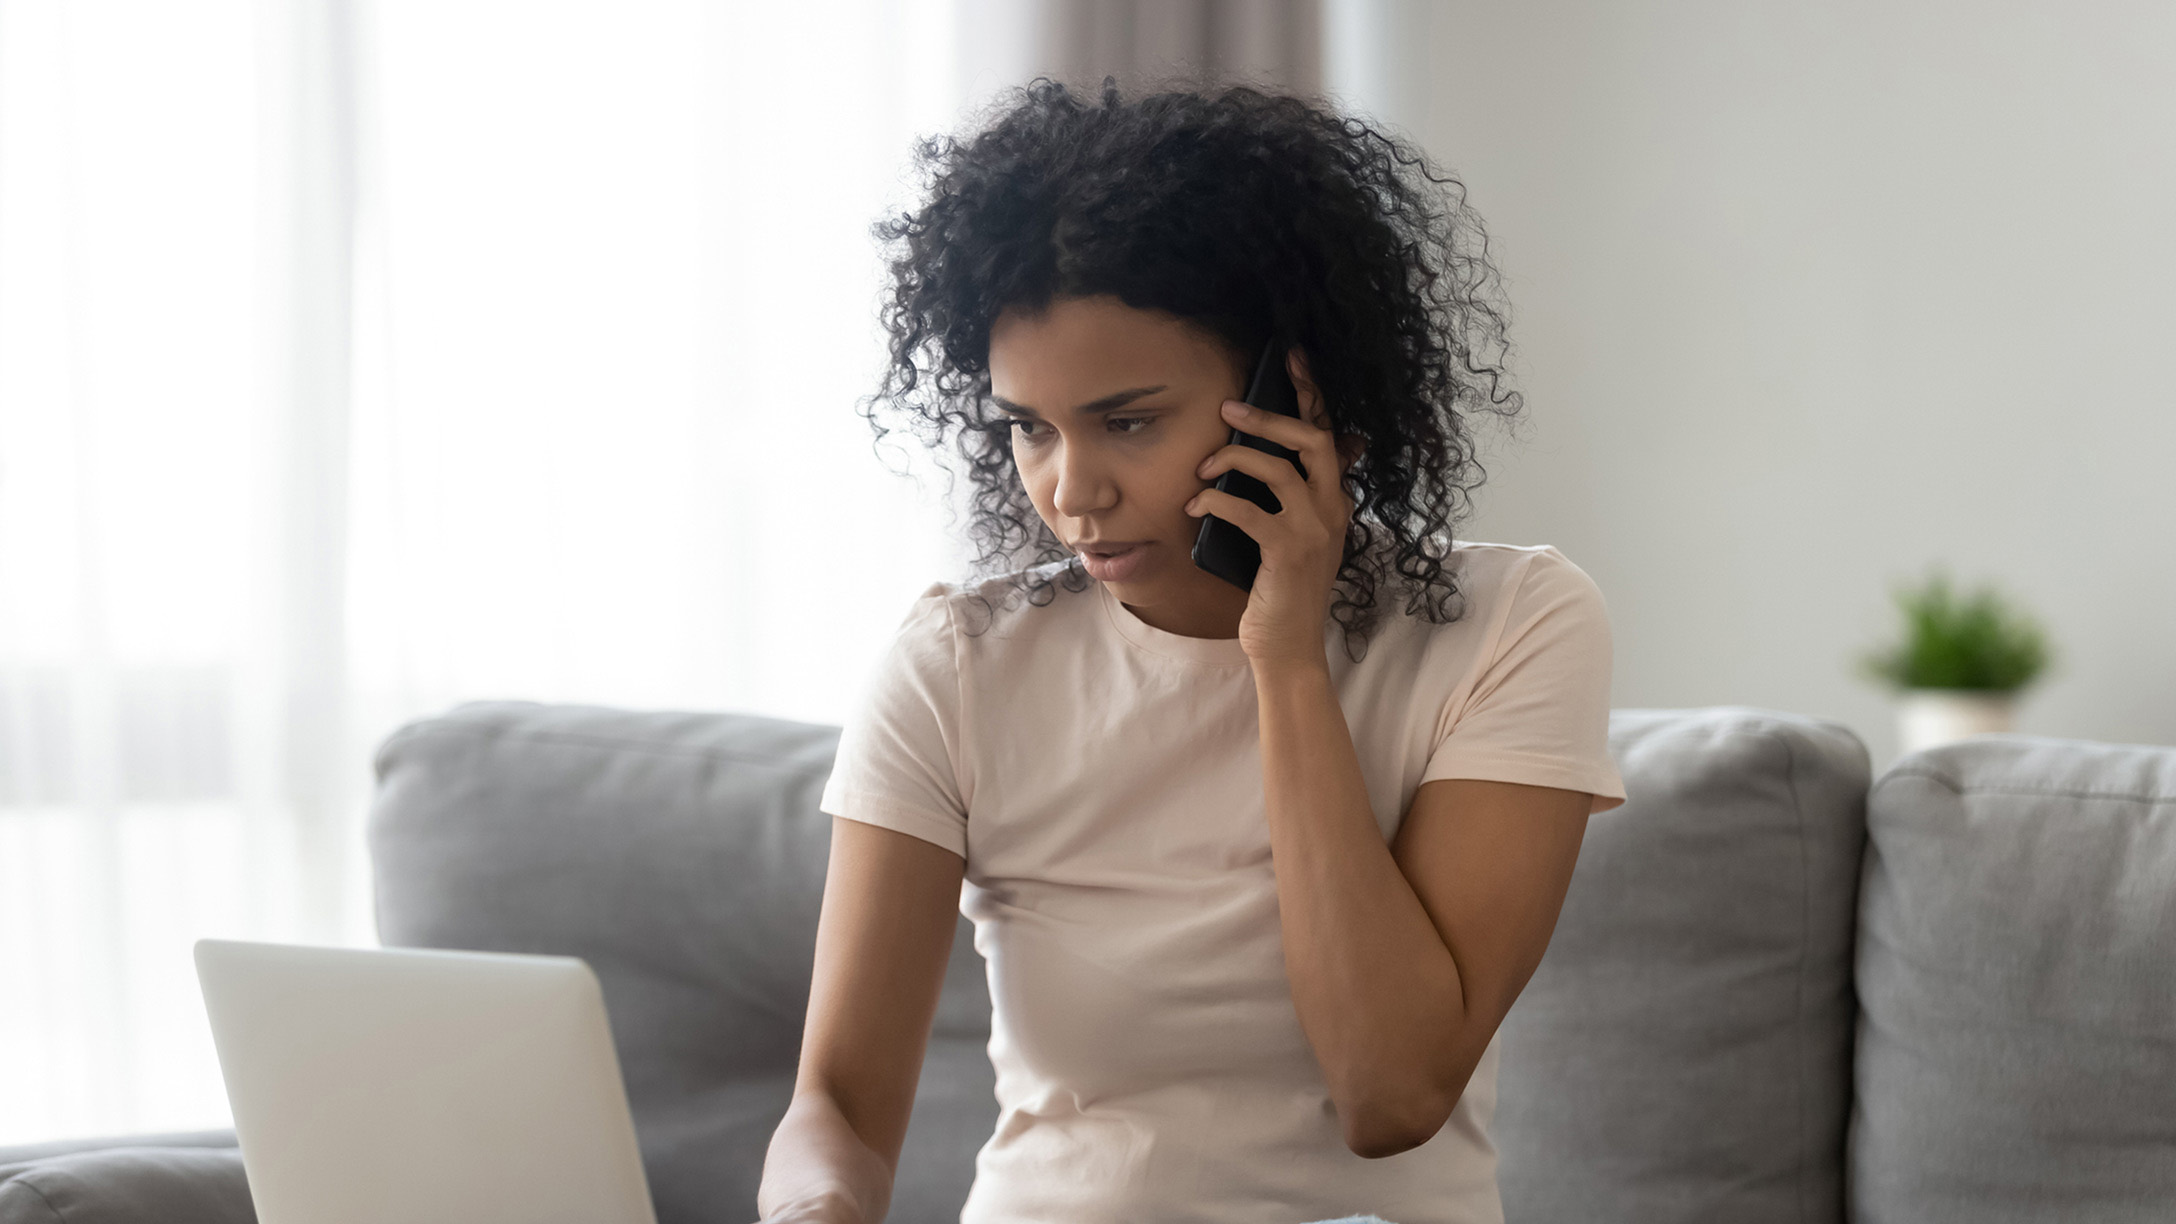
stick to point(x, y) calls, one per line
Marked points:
point(151, 1179)
point(24, 1154)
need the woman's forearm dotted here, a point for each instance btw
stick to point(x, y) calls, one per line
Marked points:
point(818, 1171)
point(1376, 988)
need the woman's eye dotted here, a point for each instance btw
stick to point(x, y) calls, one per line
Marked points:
point(1020, 425)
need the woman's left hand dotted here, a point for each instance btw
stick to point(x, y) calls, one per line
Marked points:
point(1303, 544)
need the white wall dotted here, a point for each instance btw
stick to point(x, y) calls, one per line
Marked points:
point(1808, 297)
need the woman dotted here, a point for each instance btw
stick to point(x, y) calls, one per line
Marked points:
point(1256, 871)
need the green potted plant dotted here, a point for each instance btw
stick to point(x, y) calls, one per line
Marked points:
point(1963, 660)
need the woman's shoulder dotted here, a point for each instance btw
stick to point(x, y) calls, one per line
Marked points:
point(1508, 559)
point(1495, 573)
point(1487, 574)
point(998, 603)
point(1498, 586)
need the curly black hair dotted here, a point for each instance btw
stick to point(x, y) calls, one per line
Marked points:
point(1250, 214)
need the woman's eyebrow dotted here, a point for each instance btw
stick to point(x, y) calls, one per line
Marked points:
point(1106, 404)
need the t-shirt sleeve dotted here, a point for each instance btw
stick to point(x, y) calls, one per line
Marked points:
point(1539, 711)
point(898, 759)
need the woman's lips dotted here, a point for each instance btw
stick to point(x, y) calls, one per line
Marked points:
point(1116, 566)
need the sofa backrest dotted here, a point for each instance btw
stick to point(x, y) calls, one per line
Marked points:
point(1684, 1050)
point(1686, 1041)
point(2017, 983)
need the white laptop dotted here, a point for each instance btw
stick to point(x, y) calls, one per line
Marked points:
point(422, 1087)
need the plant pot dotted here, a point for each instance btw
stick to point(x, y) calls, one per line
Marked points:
point(1927, 717)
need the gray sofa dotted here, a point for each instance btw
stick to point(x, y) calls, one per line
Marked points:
point(1777, 992)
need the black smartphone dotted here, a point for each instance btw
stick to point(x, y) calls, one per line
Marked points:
point(1221, 548)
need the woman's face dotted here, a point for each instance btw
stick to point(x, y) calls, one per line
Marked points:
point(1112, 409)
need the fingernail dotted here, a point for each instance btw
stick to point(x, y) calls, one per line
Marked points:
point(1236, 408)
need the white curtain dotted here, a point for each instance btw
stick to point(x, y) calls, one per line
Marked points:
point(358, 359)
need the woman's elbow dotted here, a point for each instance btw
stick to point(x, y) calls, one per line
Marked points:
point(1374, 1133)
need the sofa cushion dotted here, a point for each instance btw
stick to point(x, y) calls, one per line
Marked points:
point(682, 856)
point(128, 1185)
point(2017, 974)
point(1684, 1050)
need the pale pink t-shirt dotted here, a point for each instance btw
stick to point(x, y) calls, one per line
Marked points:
point(1102, 779)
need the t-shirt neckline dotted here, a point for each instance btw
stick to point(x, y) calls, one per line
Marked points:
point(1209, 652)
